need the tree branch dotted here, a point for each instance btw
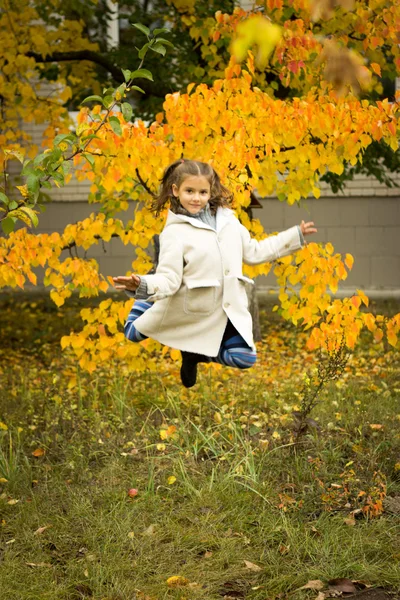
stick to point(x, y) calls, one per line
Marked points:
point(90, 55)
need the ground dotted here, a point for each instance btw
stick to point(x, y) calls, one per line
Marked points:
point(116, 485)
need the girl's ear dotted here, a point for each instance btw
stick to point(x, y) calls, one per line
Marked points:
point(175, 190)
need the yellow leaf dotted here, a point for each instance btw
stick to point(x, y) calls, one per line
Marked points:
point(256, 31)
point(3, 426)
point(175, 354)
point(23, 190)
point(363, 297)
point(349, 261)
point(217, 417)
point(177, 581)
point(57, 299)
point(171, 480)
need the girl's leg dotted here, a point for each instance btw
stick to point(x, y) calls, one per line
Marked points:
point(234, 351)
point(131, 333)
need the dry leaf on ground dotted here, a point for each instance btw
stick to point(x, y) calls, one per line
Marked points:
point(343, 585)
point(252, 566)
point(41, 529)
point(313, 584)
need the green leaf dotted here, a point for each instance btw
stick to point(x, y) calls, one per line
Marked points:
point(90, 159)
point(27, 168)
point(127, 111)
point(115, 125)
point(58, 176)
point(33, 183)
point(159, 48)
point(165, 42)
point(13, 205)
point(161, 30)
point(142, 52)
point(66, 167)
point(64, 137)
point(7, 225)
point(107, 101)
point(92, 136)
point(126, 73)
point(3, 198)
point(137, 88)
point(93, 99)
point(142, 73)
point(31, 214)
point(142, 28)
point(40, 158)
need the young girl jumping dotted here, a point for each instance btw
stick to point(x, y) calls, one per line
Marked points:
point(196, 300)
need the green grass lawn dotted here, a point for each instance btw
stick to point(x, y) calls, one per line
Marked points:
point(226, 501)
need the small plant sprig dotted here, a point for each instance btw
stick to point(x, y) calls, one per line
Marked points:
point(329, 368)
point(52, 164)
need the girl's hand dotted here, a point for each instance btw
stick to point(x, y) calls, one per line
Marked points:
point(307, 228)
point(130, 283)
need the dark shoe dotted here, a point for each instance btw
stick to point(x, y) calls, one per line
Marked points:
point(190, 361)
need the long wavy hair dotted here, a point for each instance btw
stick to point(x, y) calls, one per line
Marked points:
point(177, 172)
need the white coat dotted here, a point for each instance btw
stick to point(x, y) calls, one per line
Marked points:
point(199, 284)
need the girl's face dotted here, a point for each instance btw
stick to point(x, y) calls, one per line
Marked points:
point(193, 193)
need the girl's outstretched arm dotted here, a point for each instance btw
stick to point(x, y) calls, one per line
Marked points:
point(282, 244)
point(167, 279)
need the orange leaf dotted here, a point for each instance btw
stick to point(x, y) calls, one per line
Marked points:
point(376, 69)
point(39, 452)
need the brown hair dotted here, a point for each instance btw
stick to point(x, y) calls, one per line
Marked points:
point(177, 172)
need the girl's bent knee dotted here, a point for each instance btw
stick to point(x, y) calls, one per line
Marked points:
point(132, 334)
point(244, 360)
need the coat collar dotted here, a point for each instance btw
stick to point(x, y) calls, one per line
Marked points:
point(223, 217)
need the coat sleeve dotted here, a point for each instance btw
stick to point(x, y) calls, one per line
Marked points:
point(167, 279)
point(284, 243)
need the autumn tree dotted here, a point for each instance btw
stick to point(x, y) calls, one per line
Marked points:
point(281, 146)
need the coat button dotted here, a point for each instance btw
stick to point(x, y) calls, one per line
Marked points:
point(226, 304)
point(227, 271)
point(287, 245)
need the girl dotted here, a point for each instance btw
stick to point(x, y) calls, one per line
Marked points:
point(196, 300)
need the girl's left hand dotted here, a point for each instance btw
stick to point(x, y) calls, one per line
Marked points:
point(307, 228)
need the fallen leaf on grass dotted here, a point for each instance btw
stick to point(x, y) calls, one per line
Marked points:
point(13, 501)
point(346, 586)
point(252, 566)
point(313, 584)
point(150, 530)
point(41, 529)
point(177, 581)
point(41, 564)
point(351, 521)
point(39, 452)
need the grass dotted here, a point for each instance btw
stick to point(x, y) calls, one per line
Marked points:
point(219, 479)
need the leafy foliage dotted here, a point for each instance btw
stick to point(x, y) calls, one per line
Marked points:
point(280, 146)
